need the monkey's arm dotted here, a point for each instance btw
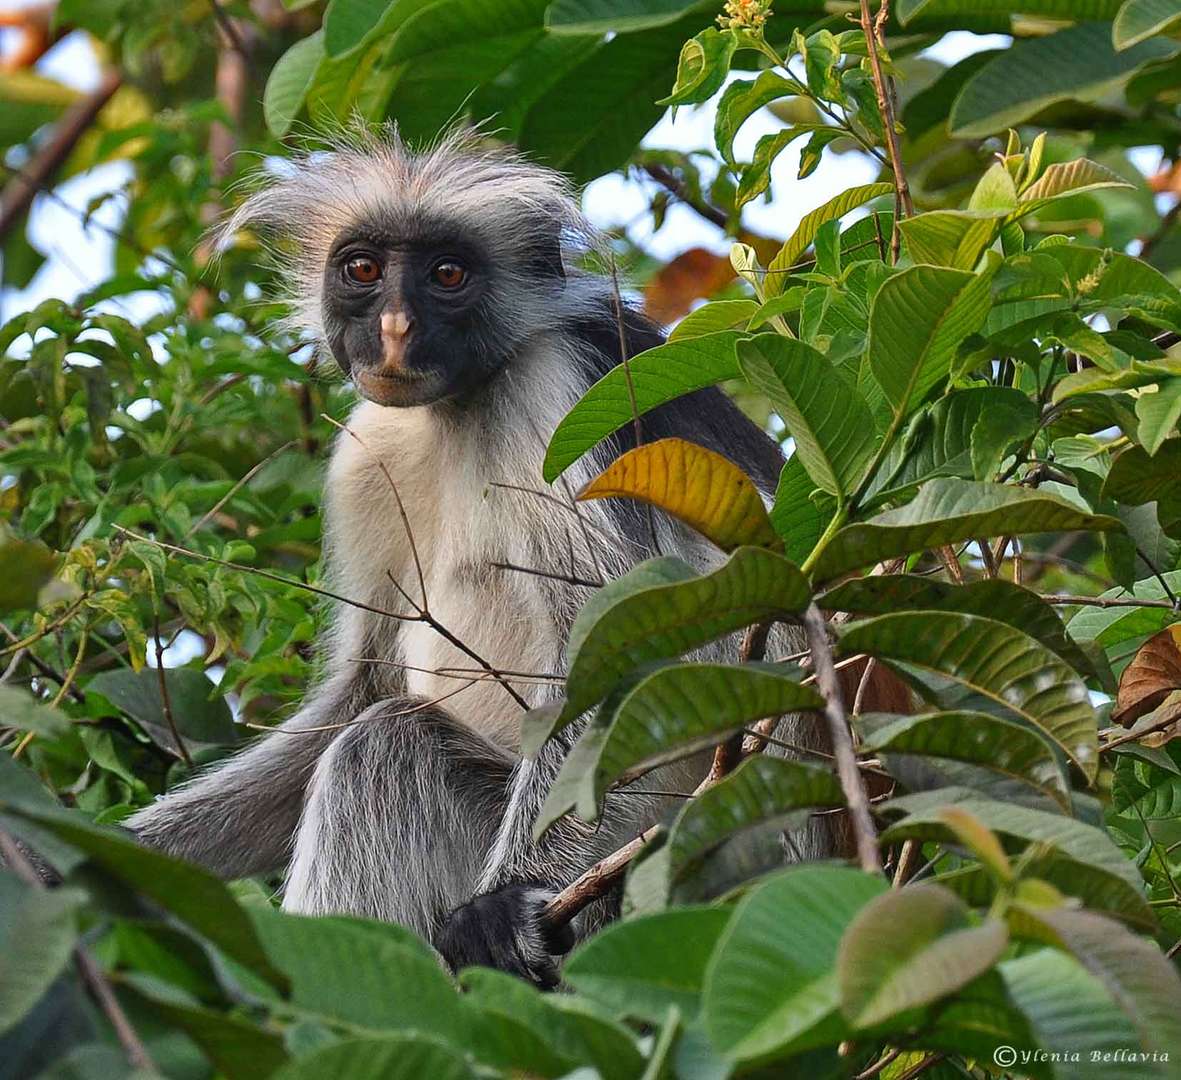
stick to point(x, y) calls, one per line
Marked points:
point(240, 817)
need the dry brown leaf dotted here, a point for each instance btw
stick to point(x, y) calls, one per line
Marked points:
point(1153, 674)
point(695, 274)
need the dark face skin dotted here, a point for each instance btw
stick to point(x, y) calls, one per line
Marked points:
point(411, 318)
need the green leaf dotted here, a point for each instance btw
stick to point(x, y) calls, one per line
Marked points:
point(390, 1057)
point(713, 318)
point(809, 225)
point(1138, 20)
point(1063, 179)
point(938, 442)
point(1078, 63)
point(908, 948)
point(193, 895)
point(199, 711)
point(948, 511)
point(1079, 859)
point(770, 993)
point(975, 738)
point(591, 119)
point(658, 375)
point(30, 101)
point(360, 972)
point(28, 567)
point(570, 1027)
point(994, 598)
point(1062, 9)
point(669, 714)
point(237, 1048)
point(953, 238)
point(37, 936)
point(831, 424)
point(1139, 477)
point(20, 710)
point(1133, 970)
point(756, 177)
point(348, 22)
point(662, 608)
point(796, 516)
point(289, 82)
point(763, 788)
point(992, 659)
point(1146, 790)
point(605, 16)
point(702, 67)
point(646, 965)
point(917, 321)
point(1159, 415)
point(741, 100)
point(1065, 1005)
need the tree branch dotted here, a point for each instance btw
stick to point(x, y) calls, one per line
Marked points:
point(49, 158)
point(856, 797)
point(875, 39)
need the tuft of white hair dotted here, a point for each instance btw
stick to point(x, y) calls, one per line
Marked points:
point(465, 177)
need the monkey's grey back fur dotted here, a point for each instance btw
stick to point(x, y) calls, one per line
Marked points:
point(397, 791)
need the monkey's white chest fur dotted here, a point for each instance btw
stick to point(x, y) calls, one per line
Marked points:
point(462, 524)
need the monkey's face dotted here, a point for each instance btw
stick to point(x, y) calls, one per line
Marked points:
point(412, 317)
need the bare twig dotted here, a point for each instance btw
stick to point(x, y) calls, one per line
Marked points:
point(595, 882)
point(43, 669)
point(1108, 601)
point(951, 561)
point(294, 583)
point(875, 39)
point(569, 579)
point(856, 797)
point(93, 975)
point(166, 699)
point(250, 475)
point(908, 855)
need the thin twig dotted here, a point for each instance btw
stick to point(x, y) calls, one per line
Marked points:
point(93, 975)
point(166, 699)
point(43, 669)
point(1065, 600)
point(595, 882)
point(294, 583)
point(569, 579)
point(250, 475)
point(875, 39)
point(856, 798)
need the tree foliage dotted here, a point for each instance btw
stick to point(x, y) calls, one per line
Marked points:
point(980, 388)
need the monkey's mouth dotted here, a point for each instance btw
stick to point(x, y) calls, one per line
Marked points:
point(396, 388)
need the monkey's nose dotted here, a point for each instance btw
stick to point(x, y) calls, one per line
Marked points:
point(396, 325)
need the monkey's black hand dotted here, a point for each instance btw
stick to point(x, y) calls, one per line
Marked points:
point(503, 929)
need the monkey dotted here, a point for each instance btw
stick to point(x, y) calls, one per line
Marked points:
point(446, 283)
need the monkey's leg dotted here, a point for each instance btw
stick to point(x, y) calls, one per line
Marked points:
point(239, 818)
point(400, 812)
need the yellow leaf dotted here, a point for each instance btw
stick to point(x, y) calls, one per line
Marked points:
point(704, 490)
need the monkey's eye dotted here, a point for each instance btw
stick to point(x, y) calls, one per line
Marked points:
point(450, 275)
point(362, 270)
